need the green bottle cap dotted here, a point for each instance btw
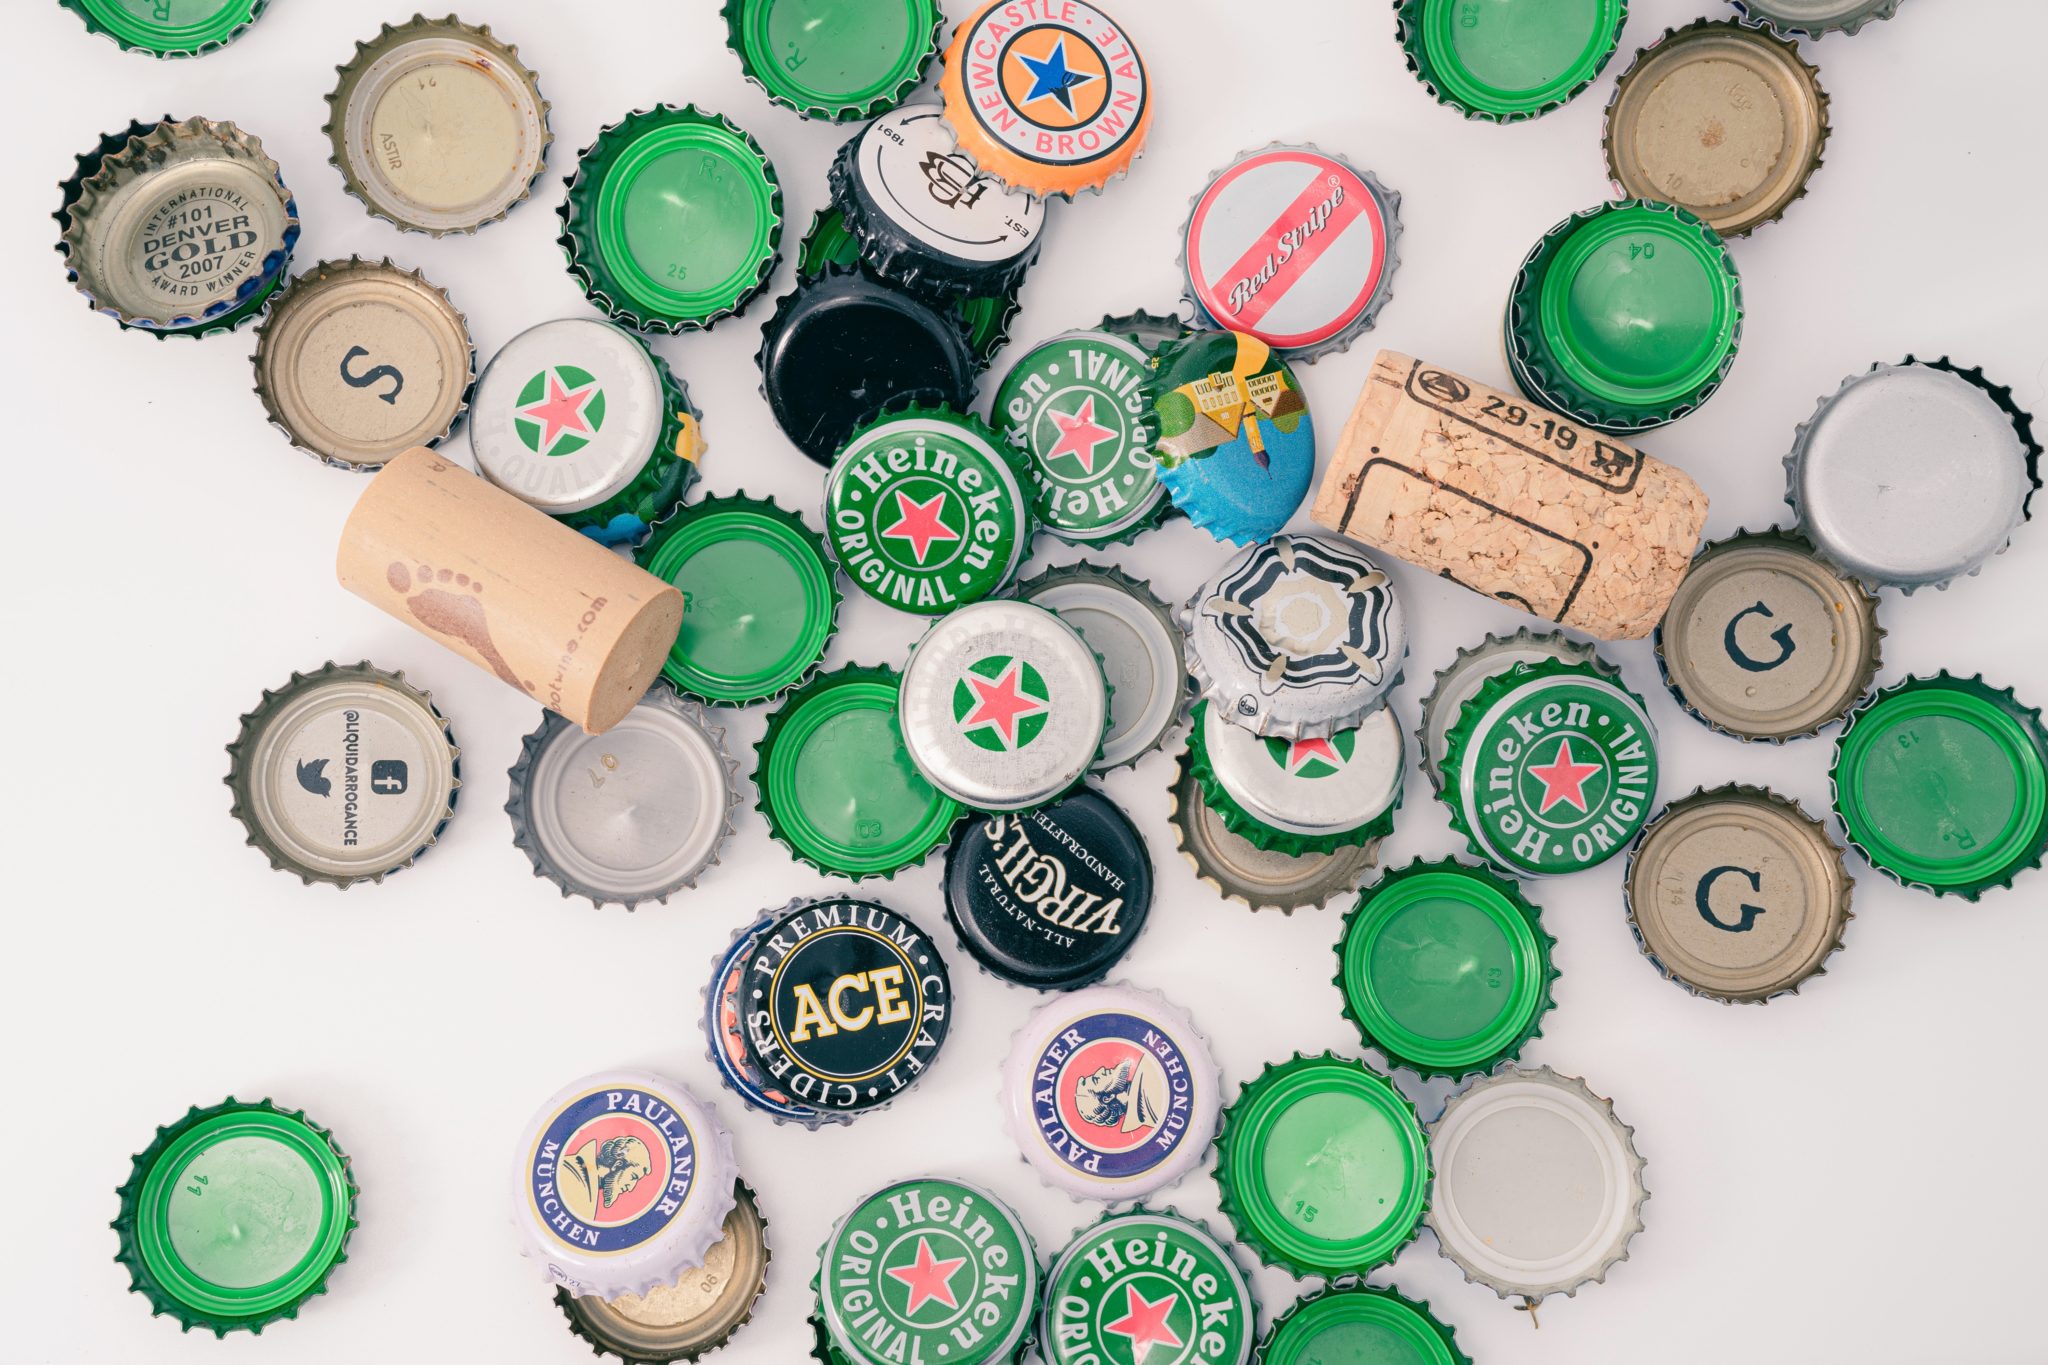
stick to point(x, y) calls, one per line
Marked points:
point(1942, 783)
point(1550, 768)
point(1323, 1167)
point(168, 28)
point(673, 219)
point(1360, 1324)
point(836, 785)
point(760, 598)
point(927, 1270)
point(1080, 407)
point(1445, 968)
point(1625, 316)
point(1141, 1286)
point(927, 510)
point(234, 1216)
point(829, 244)
point(1508, 60)
point(834, 59)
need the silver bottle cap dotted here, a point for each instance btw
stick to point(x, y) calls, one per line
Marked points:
point(1310, 787)
point(1459, 682)
point(1811, 18)
point(567, 413)
point(1143, 652)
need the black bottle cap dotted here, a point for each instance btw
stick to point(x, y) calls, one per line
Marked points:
point(843, 347)
point(1052, 899)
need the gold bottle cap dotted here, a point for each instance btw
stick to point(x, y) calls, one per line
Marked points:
point(696, 1314)
point(1241, 871)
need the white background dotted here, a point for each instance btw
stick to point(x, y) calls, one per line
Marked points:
point(1851, 1174)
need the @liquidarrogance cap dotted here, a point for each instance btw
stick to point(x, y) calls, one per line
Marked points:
point(1080, 407)
point(1236, 445)
point(1625, 316)
point(1312, 1216)
point(1360, 1322)
point(1148, 1285)
point(1508, 60)
point(234, 1215)
point(1110, 1093)
point(624, 1181)
point(1942, 783)
point(169, 28)
point(344, 774)
point(1445, 968)
point(833, 59)
point(927, 1269)
point(1142, 650)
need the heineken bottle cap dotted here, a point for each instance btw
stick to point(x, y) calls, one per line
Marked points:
point(1624, 316)
point(634, 814)
point(1445, 968)
point(1538, 1185)
point(846, 1004)
point(1550, 768)
point(1293, 246)
point(168, 28)
point(1080, 407)
point(1942, 783)
point(829, 245)
point(924, 217)
point(180, 228)
point(725, 1033)
point(358, 360)
point(1508, 60)
point(760, 598)
point(926, 510)
point(1111, 1093)
point(234, 1215)
point(843, 347)
point(1721, 118)
point(1872, 502)
point(698, 1313)
point(1764, 641)
point(580, 419)
point(437, 126)
point(1737, 894)
point(1050, 99)
point(1051, 900)
point(356, 727)
point(1142, 651)
point(932, 1270)
point(1812, 18)
point(1360, 1322)
point(1004, 706)
point(1149, 330)
point(833, 59)
point(1236, 445)
point(1239, 870)
point(1458, 682)
point(624, 1182)
point(673, 219)
point(1322, 1167)
point(835, 784)
point(1301, 795)
point(1146, 1285)
point(1298, 637)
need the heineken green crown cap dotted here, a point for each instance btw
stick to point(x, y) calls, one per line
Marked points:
point(1459, 681)
point(1147, 1286)
point(1360, 1324)
point(1322, 1167)
point(834, 59)
point(673, 219)
point(1507, 60)
point(234, 1216)
point(1080, 406)
point(1942, 783)
point(1445, 968)
point(1625, 316)
point(168, 28)
point(760, 598)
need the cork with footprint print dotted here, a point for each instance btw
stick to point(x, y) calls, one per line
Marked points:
point(551, 612)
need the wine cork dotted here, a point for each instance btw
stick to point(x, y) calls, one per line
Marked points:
point(509, 588)
point(1512, 501)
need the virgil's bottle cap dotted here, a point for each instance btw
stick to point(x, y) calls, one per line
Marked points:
point(1353, 1321)
point(1148, 1284)
point(437, 126)
point(1236, 444)
point(1508, 60)
point(834, 59)
point(234, 1216)
point(1301, 795)
point(1142, 650)
point(698, 1313)
point(1080, 406)
point(1239, 870)
point(169, 28)
point(1458, 682)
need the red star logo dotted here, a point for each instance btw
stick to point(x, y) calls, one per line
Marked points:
point(1145, 1323)
point(1080, 433)
point(1564, 780)
point(930, 1279)
point(918, 523)
point(561, 411)
point(1000, 703)
point(1302, 751)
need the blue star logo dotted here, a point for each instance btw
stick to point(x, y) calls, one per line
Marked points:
point(1051, 76)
